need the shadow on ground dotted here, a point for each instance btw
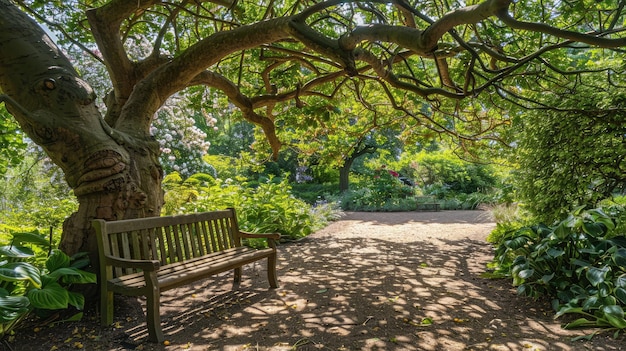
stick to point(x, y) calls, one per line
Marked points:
point(367, 282)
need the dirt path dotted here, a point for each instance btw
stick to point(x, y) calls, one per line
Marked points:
point(371, 281)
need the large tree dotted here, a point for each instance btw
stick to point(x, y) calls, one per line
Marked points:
point(453, 67)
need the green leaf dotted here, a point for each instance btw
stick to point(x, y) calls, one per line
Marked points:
point(526, 273)
point(621, 281)
point(596, 275)
point(620, 294)
point(580, 323)
point(426, 321)
point(76, 276)
point(604, 289)
point(20, 271)
point(517, 242)
point(546, 278)
point(12, 307)
point(614, 315)
point(16, 252)
point(591, 302)
point(600, 217)
point(568, 309)
point(593, 229)
point(76, 299)
point(554, 252)
point(58, 259)
point(619, 257)
point(63, 273)
point(80, 260)
point(562, 231)
point(52, 297)
point(30, 238)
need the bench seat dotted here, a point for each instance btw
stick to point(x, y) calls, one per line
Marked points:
point(182, 273)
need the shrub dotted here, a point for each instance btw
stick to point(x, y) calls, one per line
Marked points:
point(26, 287)
point(579, 263)
point(269, 207)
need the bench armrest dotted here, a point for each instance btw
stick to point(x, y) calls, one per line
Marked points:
point(144, 265)
point(274, 236)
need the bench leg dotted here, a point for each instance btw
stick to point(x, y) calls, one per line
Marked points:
point(271, 271)
point(238, 271)
point(106, 307)
point(153, 315)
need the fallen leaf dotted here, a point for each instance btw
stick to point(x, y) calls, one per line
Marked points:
point(426, 321)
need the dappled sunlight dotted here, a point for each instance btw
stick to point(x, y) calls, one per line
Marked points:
point(366, 292)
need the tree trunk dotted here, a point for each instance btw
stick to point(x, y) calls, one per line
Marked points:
point(113, 174)
point(344, 171)
point(344, 175)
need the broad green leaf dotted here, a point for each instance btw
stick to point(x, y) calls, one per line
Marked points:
point(593, 229)
point(72, 275)
point(58, 259)
point(620, 294)
point(16, 251)
point(591, 302)
point(76, 299)
point(580, 263)
point(614, 315)
point(517, 242)
point(568, 309)
point(12, 307)
point(554, 252)
point(20, 271)
point(596, 275)
point(52, 297)
point(562, 231)
point(604, 289)
point(79, 277)
point(619, 257)
point(80, 260)
point(526, 273)
point(31, 238)
point(601, 217)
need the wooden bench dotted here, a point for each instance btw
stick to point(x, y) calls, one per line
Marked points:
point(427, 203)
point(142, 257)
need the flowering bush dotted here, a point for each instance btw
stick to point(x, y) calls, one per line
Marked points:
point(183, 144)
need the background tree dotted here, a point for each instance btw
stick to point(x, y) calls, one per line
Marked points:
point(427, 58)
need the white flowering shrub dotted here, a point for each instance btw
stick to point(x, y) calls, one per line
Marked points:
point(183, 144)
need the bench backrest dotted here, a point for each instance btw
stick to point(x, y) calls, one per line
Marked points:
point(167, 239)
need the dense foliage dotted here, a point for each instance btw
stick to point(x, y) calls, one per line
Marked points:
point(32, 280)
point(12, 146)
point(34, 197)
point(579, 263)
point(268, 207)
point(571, 157)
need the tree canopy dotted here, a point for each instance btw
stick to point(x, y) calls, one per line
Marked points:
point(443, 67)
point(269, 57)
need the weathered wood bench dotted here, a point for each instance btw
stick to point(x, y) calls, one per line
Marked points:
point(427, 203)
point(142, 257)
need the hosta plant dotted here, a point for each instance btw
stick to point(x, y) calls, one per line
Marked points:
point(579, 263)
point(25, 286)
